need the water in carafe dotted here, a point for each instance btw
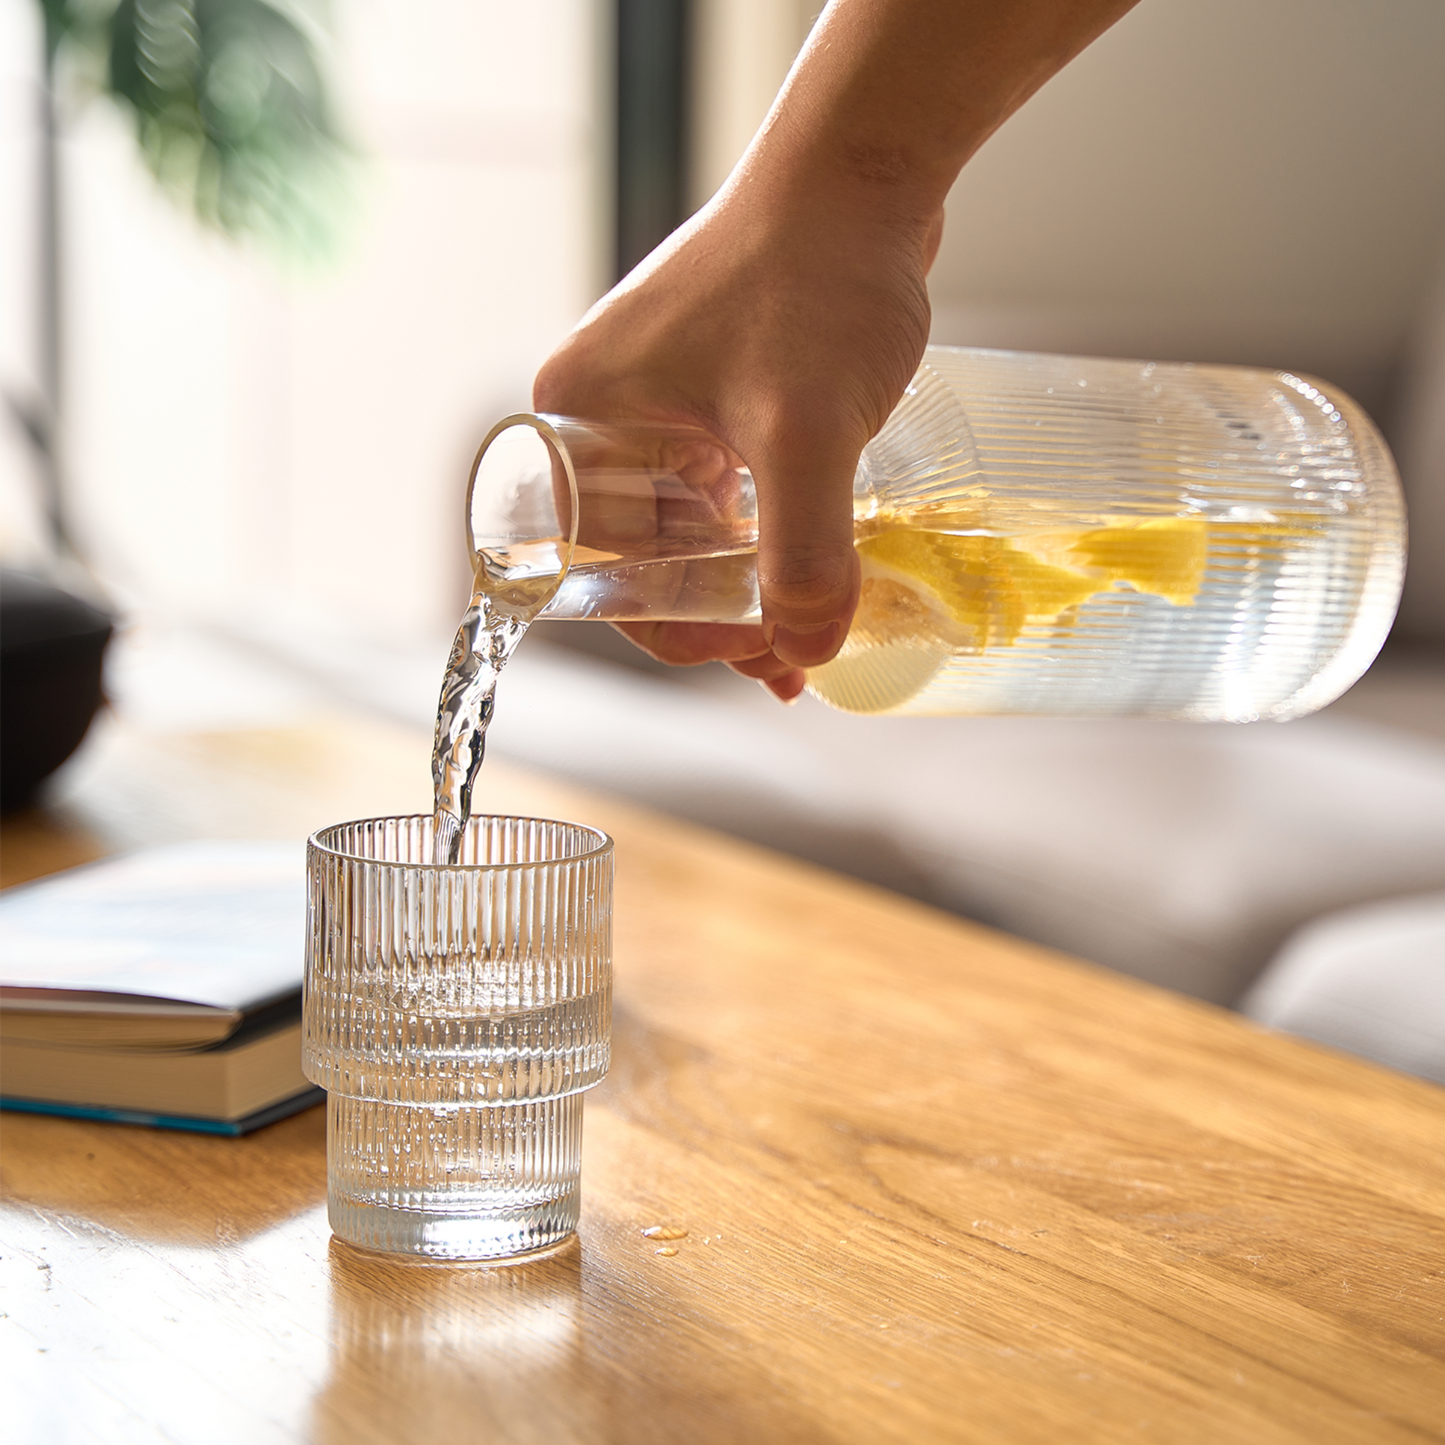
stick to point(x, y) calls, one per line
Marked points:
point(1036, 534)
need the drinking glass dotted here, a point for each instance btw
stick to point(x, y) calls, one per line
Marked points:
point(455, 1014)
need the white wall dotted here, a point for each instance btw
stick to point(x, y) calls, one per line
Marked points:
point(21, 523)
point(1248, 180)
point(243, 439)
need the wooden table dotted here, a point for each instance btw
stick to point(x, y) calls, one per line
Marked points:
point(937, 1185)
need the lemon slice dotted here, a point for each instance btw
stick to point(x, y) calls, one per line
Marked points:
point(927, 596)
point(870, 677)
point(1163, 555)
point(900, 636)
point(920, 583)
point(974, 591)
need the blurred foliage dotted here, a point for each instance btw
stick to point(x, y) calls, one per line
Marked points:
point(230, 106)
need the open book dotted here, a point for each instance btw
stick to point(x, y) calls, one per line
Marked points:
point(165, 984)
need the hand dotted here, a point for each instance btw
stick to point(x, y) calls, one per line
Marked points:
point(787, 317)
point(788, 328)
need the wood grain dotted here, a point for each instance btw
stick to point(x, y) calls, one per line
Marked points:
point(936, 1184)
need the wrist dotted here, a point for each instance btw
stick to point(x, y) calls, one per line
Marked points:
point(858, 131)
point(798, 185)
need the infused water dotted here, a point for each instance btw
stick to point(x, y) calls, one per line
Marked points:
point(1056, 535)
point(1232, 616)
point(1048, 535)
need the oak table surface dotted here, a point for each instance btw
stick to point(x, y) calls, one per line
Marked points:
point(936, 1184)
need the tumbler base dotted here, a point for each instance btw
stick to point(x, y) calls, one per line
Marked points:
point(464, 1182)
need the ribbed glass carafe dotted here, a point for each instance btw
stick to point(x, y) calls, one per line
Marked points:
point(1036, 534)
point(1052, 534)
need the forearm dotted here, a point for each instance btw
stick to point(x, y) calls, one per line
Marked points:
point(890, 98)
point(787, 317)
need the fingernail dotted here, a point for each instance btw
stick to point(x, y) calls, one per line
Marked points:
point(807, 646)
point(787, 700)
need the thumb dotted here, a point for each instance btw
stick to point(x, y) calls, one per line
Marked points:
point(807, 569)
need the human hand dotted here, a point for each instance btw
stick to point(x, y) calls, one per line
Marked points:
point(787, 325)
point(788, 316)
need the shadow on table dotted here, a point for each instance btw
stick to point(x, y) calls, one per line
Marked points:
point(431, 1352)
point(163, 1186)
point(560, 1350)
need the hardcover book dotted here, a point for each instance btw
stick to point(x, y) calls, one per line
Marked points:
point(160, 987)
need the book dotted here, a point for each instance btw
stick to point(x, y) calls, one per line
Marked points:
point(160, 987)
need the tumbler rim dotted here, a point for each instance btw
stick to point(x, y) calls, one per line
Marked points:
point(602, 847)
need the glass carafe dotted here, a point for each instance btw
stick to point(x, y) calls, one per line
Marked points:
point(1037, 535)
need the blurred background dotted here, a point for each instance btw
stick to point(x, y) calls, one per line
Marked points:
point(245, 432)
point(261, 439)
point(242, 435)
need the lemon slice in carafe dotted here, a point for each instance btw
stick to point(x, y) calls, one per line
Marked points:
point(1165, 556)
point(928, 595)
point(973, 590)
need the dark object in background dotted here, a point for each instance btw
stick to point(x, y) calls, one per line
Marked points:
point(51, 646)
point(652, 98)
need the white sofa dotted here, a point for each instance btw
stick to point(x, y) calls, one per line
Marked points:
point(1370, 980)
point(1184, 854)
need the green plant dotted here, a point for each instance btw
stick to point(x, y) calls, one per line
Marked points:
point(232, 116)
point(229, 101)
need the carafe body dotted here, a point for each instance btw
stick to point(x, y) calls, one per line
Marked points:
point(1037, 535)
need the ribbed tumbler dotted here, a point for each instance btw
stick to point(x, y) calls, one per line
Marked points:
point(455, 1014)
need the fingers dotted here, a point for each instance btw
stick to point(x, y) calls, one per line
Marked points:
point(807, 569)
point(687, 644)
point(784, 682)
point(787, 688)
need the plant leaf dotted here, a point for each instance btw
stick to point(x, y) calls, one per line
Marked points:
point(232, 111)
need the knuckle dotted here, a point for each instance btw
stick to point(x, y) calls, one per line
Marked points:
point(808, 578)
point(808, 424)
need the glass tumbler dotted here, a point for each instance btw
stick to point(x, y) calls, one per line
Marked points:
point(455, 1014)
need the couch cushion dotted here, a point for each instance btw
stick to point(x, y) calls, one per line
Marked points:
point(1180, 853)
point(1370, 980)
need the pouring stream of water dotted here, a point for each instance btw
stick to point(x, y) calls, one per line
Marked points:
point(484, 642)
